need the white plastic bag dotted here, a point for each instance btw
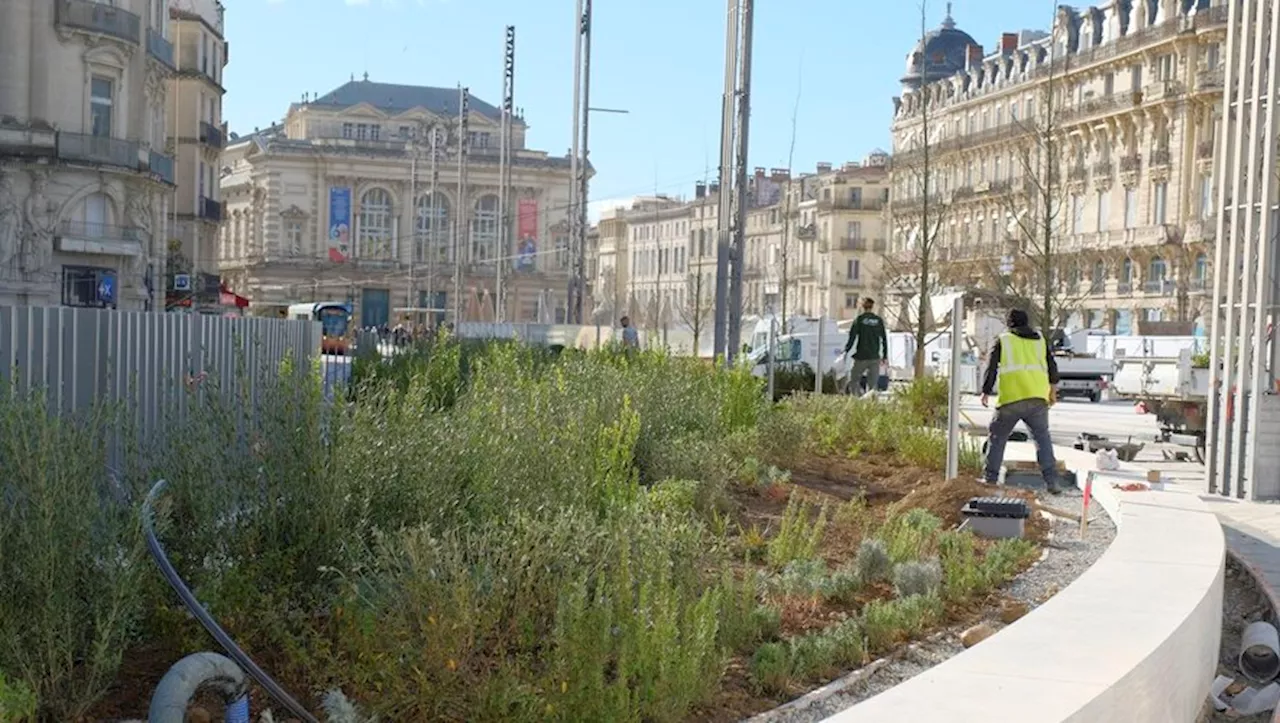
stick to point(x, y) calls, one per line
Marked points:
point(1107, 460)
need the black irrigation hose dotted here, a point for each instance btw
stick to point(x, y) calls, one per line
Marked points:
point(189, 600)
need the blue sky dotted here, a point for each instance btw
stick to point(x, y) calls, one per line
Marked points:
point(662, 60)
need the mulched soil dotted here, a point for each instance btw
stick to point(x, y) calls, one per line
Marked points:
point(833, 480)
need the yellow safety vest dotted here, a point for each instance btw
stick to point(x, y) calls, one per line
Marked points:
point(1023, 370)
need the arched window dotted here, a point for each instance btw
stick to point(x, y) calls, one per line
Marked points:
point(1200, 272)
point(95, 216)
point(1158, 269)
point(376, 225)
point(431, 224)
point(484, 230)
point(1126, 271)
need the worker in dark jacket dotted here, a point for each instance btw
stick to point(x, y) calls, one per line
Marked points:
point(1022, 374)
point(870, 345)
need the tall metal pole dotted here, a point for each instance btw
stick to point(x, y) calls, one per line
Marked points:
point(953, 395)
point(504, 168)
point(724, 206)
point(580, 261)
point(574, 188)
point(460, 224)
point(433, 226)
point(738, 255)
point(413, 217)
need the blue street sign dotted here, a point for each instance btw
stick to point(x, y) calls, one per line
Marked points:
point(107, 288)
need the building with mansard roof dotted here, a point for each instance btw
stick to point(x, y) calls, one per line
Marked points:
point(354, 196)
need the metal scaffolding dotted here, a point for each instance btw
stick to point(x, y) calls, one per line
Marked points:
point(1244, 410)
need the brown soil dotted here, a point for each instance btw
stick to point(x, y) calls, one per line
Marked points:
point(884, 485)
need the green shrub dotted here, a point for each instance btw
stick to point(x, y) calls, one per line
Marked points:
point(887, 622)
point(873, 561)
point(71, 557)
point(771, 667)
point(17, 702)
point(798, 534)
point(910, 535)
point(917, 578)
point(926, 399)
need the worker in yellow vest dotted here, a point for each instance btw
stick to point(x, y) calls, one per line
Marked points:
point(1022, 375)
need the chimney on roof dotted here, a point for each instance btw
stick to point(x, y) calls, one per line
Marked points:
point(824, 167)
point(699, 190)
point(759, 172)
point(713, 189)
point(975, 55)
point(1008, 43)
point(778, 175)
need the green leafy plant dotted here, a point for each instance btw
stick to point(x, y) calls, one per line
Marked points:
point(873, 561)
point(799, 534)
point(917, 578)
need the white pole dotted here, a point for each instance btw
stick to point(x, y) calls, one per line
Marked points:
point(817, 374)
point(773, 351)
point(953, 402)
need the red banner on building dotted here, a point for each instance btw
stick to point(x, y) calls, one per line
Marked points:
point(527, 234)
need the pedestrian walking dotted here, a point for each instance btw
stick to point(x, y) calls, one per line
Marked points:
point(630, 337)
point(1023, 376)
point(870, 345)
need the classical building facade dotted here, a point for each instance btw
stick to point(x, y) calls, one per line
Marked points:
point(85, 181)
point(196, 138)
point(820, 236)
point(355, 196)
point(1077, 160)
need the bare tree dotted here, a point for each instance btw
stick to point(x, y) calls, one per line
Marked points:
point(784, 251)
point(696, 307)
point(918, 218)
point(1035, 271)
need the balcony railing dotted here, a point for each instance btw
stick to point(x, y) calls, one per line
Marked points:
point(1199, 284)
point(210, 210)
point(1159, 157)
point(211, 135)
point(1211, 79)
point(198, 70)
point(852, 204)
point(1124, 287)
point(1131, 164)
point(1158, 286)
point(78, 147)
point(87, 237)
point(163, 166)
point(160, 48)
point(1098, 287)
point(1102, 169)
point(97, 17)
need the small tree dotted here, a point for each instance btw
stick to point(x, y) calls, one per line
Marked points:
point(1040, 207)
point(696, 308)
point(917, 222)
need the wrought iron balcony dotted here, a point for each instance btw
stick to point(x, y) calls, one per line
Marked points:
point(1131, 164)
point(1159, 157)
point(210, 210)
point(99, 150)
point(163, 166)
point(85, 237)
point(851, 244)
point(211, 135)
point(102, 18)
point(1124, 287)
point(160, 48)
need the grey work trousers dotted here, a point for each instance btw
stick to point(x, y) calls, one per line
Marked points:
point(1035, 414)
point(869, 368)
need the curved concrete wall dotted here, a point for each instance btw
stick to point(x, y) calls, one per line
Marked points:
point(1134, 639)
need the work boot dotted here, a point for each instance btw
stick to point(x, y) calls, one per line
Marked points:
point(1053, 489)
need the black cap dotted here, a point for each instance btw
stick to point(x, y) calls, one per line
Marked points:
point(1017, 318)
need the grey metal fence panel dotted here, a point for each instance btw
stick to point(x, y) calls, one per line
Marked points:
point(80, 357)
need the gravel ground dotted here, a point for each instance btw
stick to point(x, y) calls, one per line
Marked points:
point(1067, 557)
point(1242, 604)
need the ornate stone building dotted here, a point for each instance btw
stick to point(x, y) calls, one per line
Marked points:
point(196, 138)
point(85, 184)
point(355, 197)
point(828, 251)
point(1077, 160)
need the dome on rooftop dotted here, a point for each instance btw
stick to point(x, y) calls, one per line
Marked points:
point(941, 54)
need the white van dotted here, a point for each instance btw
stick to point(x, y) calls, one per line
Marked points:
point(799, 351)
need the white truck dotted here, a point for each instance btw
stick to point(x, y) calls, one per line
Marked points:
point(1172, 388)
point(1080, 374)
point(800, 351)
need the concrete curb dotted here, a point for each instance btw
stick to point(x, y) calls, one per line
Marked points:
point(1133, 639)
point(1260, 580)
